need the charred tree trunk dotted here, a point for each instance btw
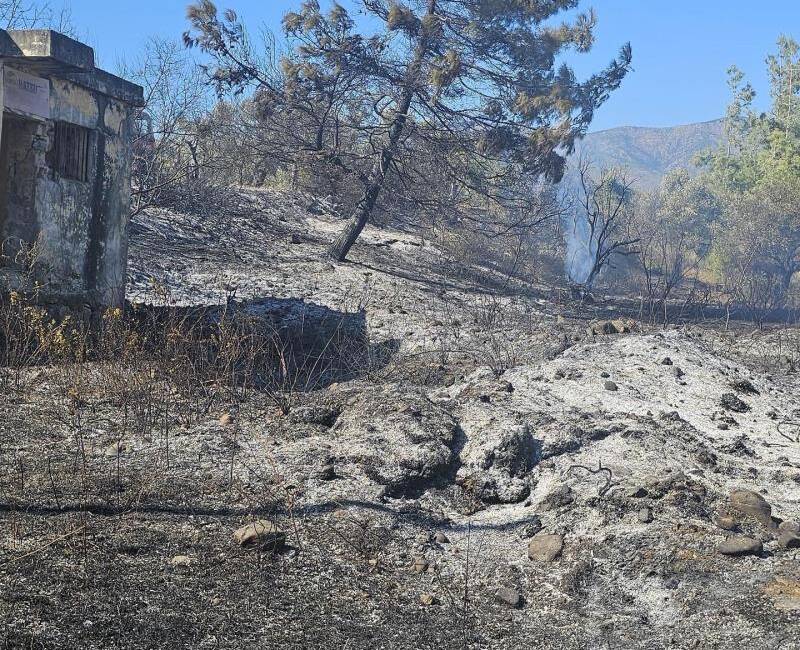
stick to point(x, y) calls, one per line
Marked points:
point(377, 179)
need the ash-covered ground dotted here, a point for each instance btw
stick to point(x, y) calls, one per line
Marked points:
point(507, 470)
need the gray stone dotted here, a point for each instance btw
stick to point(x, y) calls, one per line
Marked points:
point(741, 546)
point(510, 597)
point(419, 565)
point(610, 385)
point(545, 548)
point(789, 539)
point(725, 522)
point(441, 538)
point(645, 515)
point(558, 498)
point(752, 504)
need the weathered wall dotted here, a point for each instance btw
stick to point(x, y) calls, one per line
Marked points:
point(80, 227)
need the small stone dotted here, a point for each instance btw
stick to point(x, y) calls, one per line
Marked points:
point(510, 597)
point(260, 534)
point(605, 375)
point(533, 526)
point(116, 449)
point(419, 565)
point(226, 420)
point(427, 599)
point(545, 548)
point(181, 561)
point(423, 538)
point(558, 498)
point(441, 538)
point(326, 473)
point(645, 515)
point(636, 492)
point(677, 372)
point(666, 361)
point(788, 539)
point(789, 527)
point(753, 504)
point(610, 385)
point(725, 522)
point(738, 546)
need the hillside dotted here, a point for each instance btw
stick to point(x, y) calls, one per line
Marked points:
point(649, 153)
point(492, 470)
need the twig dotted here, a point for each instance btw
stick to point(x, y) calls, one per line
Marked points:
point(46, 546)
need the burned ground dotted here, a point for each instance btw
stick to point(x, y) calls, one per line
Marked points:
point(422, 492)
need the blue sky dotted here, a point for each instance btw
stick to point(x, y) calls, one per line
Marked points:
point(681, 47)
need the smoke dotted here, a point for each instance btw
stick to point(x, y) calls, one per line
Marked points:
point(581, 248)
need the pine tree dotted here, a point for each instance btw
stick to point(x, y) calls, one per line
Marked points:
point(476, 80)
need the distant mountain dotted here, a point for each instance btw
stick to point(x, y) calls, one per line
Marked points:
point(649, 153)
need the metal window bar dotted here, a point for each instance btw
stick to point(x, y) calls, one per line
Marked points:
point(71, 151)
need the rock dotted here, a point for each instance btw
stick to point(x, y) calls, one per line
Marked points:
point(326, 473)
point(496, 460)
point(226, 420)
point(645, 515)
point(533, 526)
point(752, 504)
point(558, 498)
point(419, 565)
point(666, 361)
point(789, 527)
point(427, 599)
point(731, 402)
point(441, 538)
point(261, 534)
point(423, 538)
point(677, 372)
point(545, 548)
point(788, 539)
point(181, 561)
point(116, 449)
point(738, 546)
point(725, 522)
point(510, 597)
point(610, 385)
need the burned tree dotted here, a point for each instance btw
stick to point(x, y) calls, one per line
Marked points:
point(597, 230)
point(475, 81)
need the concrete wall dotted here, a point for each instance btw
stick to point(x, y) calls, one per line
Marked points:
point(80, 227)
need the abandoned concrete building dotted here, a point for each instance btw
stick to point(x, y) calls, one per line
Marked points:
point(65, 168)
